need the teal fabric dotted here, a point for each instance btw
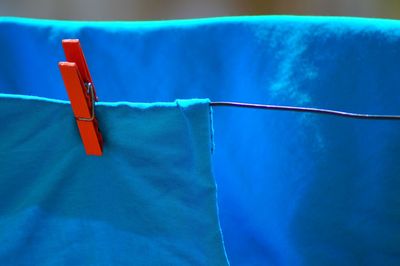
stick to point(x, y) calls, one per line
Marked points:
point(149, 200)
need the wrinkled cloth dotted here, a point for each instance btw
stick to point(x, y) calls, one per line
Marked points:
point(149, 200)
point(293, 189)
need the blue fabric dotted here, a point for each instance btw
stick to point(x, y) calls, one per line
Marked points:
point(149, 200)
point(293, 189)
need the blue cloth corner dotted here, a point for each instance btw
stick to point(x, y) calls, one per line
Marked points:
point(149, 200)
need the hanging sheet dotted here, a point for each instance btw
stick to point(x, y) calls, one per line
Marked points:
point(293, 189)
point(149, 200)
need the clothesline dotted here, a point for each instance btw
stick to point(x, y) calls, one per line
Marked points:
point(307, 109)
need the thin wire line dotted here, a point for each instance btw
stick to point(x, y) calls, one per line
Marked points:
point(307, 109)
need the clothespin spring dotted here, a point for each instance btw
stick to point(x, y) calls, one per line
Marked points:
point(89, 91)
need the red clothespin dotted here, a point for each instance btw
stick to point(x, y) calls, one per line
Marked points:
point(82, 95)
